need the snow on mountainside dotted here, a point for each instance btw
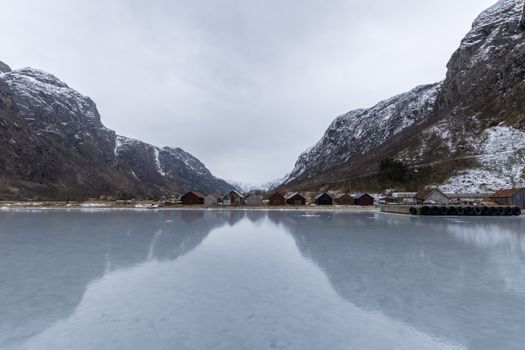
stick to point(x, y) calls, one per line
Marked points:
point(465, 133)
point(242, 187)
point(268, 186)
point(272, 185)
point(56, 146)
point(49, 106)
point(358, 131)
point(155, 165)
point(487, 28)
point(501, 157)
point(36, 91)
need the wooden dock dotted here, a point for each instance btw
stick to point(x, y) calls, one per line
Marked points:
point(451, 210)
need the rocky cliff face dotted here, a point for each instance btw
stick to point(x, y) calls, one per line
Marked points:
point(4, 68)
point(481, 107)
point(469, 128)
point(54, 146)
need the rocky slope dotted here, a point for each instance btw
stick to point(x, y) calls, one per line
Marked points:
point(54, 146)
point(466, 133)
point(360, 131)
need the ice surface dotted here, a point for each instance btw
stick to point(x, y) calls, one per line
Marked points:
point(200, 279)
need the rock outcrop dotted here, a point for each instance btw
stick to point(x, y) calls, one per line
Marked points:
point(4, 68)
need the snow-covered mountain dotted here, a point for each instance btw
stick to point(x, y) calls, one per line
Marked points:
point(55, 146)
point(273, 184)
point(359, 131)
point(243, 187)
point(246, 187)
point(466, 133)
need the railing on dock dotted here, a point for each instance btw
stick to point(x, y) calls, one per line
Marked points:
point(452, 210)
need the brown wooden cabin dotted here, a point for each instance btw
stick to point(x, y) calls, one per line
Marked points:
point(363, 200)
point(192, 198)
point(277, 199)
point(512, 196)
point(344, 199)
point(296, 199)
point(324, 199)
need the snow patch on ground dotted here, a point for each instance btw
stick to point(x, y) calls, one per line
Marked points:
point(94, 205)
point(501, 157)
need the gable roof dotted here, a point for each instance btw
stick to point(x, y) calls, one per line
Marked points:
point(196, 194)
point(360, 195)
point(506, 193)
point(234, 191)
point(295, 194)
point(424, 194)
point(322, 194)
point(276, 194)
point(214, 195)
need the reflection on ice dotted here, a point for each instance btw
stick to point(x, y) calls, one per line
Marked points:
point(48, 258)
point(242, 297)
point(417, 271)
point(255, 280)
point(483, 234)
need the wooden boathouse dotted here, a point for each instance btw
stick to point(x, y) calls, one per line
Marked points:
point(296, 199)
point(513, 196)
point(277, 199)
point(324, 199)
point(192, 198)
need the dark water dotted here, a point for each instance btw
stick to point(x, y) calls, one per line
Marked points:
point(259, 280)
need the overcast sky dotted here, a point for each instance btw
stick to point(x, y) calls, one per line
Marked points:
point(243, 85)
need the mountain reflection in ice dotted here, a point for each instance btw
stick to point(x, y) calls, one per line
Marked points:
point(256, 280)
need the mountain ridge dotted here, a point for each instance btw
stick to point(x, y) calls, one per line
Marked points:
point(480, 97)
point(56, 147)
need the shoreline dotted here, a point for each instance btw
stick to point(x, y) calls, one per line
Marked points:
point(46, 205)
point(153, 206)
